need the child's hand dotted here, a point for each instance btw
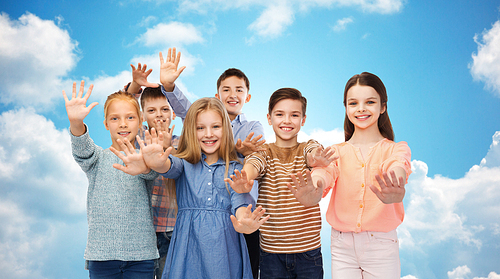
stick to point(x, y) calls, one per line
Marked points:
point(168, 69)
point(306, 192)
point(249, 145)
point(140, 76)
point(153, 153)
point(248, 221)
point(167, 133)
point(134, 162)
point(321, 157)
point(77, 108)
point(240, 182)
point(391, 191)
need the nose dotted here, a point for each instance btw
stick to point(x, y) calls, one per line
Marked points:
point(288, 119)
point(208, 132)
point(123, 123)
point(361, 108)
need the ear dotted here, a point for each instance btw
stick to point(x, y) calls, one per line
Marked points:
point(173, 115)
point(248, 98)
point(217, 96)
point(269, 119)
point(303, 121)
point(382, 111)
point(143, 118)
point(106, 124)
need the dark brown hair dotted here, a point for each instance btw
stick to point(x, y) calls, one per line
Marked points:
point(151, 93)
point(384, 123)
point(287, 93)
point(233, 72)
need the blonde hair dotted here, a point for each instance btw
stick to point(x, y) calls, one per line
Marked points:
point(189, 147)
point(122, 96)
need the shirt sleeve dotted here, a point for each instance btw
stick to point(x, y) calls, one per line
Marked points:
point(180, 104)
point(176, 167)
point(257, 159)
point(311, 144)
point(400, 157)
point(257, 129)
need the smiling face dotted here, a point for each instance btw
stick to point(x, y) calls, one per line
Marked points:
point(209, 134)
point(286, 118)
point(363, 107)
point(122, 121)
point(157, 110)
point(233, 93)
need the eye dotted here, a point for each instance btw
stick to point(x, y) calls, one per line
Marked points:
point(216, 126)
point(370, 102)
point(353, 103)
point(113, 118)
point(199, 128)
point(166, 109)
point(278, 114)
point(131, 117)
point(295, 115)
point(150, 110)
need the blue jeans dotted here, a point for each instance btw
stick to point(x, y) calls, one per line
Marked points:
point(286, 266)
point(162, 242)
point(121, 269)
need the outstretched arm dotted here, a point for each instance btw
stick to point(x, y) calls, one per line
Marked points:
point(168, 69)
point(247, 221)
point(77, 108)
point(307, 193)
point(134, 162)
point(249, 145)
point(392, 189)
point(242, 182)
point(321, 157)
point(155, 157)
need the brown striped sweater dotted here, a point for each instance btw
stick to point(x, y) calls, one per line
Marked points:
point(292, 227)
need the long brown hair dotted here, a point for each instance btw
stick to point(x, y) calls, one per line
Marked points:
point(384, 123)
point(189, 148)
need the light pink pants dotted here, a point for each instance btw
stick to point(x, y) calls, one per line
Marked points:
point(366, 255)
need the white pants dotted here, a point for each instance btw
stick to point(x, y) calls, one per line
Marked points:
point(366, 255)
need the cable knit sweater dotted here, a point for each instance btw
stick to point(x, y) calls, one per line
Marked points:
point(119, 210)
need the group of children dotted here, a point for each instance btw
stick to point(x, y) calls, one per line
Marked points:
point(219, 202)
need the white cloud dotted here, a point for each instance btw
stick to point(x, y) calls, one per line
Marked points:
point(274, 20)
point(491, 275)
point(342, 24)
point(409, 277)
point(36, 54)
point(171, 34)
point(486, 62)
point(42, 205)
point(460, 272)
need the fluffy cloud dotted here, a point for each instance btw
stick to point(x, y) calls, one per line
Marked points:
point(42, 204)
point(173, 33)
point(486, 62)
point(274, 20)
point(36, 54)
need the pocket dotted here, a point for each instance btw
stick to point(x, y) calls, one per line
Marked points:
point(386, 238)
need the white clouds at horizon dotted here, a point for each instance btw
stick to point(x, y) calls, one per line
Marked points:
point(36, 55)
point(486, 62)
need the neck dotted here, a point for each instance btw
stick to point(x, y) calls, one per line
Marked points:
point(232, 116)
point(370, 135)
point(286, 143)
point(211, 159)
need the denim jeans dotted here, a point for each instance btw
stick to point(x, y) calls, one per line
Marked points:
point(121, 269)
point(162, 242)
point(299, 265)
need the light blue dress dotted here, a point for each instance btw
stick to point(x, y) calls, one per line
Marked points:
point(204, 243)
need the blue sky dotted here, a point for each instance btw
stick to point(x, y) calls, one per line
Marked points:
point(440, 62)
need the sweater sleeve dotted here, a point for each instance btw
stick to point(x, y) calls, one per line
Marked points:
point(85, 152)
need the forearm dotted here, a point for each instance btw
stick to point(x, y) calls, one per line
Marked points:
point(163, 168)
point(134, 88)
point(77, 128)
point(251, 171)
point(400, 172)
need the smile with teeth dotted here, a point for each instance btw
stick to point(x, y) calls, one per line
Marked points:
point(233, 102)
point(124, 134)
point(362, 117)
point(286, 129)
point(209, 142)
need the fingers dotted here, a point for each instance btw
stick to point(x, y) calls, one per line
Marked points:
point(82, 86)
point(140, 142)
point(161, 58)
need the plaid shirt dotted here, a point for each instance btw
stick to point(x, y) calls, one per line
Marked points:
point(163, 216)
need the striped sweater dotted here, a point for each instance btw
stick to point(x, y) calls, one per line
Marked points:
point(292, 227)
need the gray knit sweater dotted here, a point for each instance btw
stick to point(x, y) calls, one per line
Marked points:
point(119, 210)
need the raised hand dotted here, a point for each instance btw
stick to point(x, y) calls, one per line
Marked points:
point(168, 133)
point(321, 157)
point(168, 69)
point(153, 153)
point(391, 190)
point(140, 75)
point(249, 145)
point(240, 182)
point(306, 192)
point(248, 221)
point(134, 162)
point(77, 108)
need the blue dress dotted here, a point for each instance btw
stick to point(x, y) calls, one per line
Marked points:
point(204, 243)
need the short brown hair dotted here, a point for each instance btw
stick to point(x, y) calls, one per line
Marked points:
point(151, 93)
point(287, 93)
point(233, 72)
